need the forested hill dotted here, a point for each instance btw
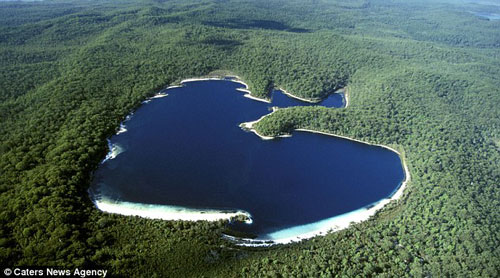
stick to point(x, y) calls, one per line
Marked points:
point(422, 76)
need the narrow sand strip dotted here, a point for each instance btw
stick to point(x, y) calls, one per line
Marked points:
point(249, 95)
point(345, 91)
point(173, 87)
point(249, 126)
point(159, 95)
point(339, 91)
point(200, 79)
point(299, 98)
point(165, 212)
point(345, 94)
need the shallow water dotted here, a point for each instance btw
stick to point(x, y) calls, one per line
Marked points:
point(186, 150)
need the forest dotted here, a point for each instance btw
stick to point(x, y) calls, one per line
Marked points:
point(422, 77)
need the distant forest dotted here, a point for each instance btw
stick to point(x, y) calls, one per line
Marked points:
point(422, 76)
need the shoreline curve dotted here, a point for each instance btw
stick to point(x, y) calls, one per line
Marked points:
point(231, 78)
point(168, 212)
point(342, 91)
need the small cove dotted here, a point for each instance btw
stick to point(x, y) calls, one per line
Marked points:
point(185, 154)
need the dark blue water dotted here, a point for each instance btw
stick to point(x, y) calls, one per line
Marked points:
point(187, 149)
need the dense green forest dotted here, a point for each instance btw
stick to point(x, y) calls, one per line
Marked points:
point(422, 77)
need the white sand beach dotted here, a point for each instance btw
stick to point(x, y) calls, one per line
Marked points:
point(299, 98)
point(160, 95)
point(165, 212)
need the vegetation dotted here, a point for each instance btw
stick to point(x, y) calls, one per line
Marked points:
point(422, 76)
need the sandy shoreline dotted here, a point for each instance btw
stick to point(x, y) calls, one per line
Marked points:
point(123, 129)
point(346, 97)
point(159, 95)
point(248, 126)
point(344, 91)
point(114, 150)
point(166, 212)
point(299, 98)
point(248, 94)
point(173, 87)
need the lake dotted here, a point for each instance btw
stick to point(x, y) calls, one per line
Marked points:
point(185, 154)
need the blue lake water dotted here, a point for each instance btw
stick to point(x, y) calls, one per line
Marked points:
point(187, 150)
